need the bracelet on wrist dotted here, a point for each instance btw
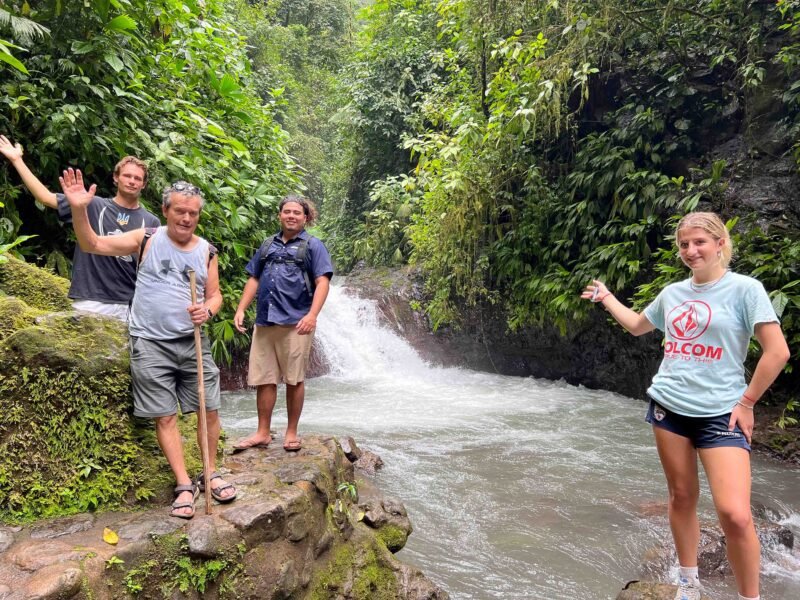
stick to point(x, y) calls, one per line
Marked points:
point(209, 313)
point(740, 403)
point(748, 398)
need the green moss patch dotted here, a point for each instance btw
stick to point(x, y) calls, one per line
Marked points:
point(168, 569)
point(394, 538)
point(68, 442)
point(358, 562)
point(37, 287)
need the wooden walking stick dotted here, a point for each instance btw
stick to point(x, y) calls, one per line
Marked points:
point(202, 424)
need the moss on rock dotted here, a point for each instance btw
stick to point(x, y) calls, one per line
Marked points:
point(393, 537)
point(68, 442)
point(36, 287)
point(357, 570)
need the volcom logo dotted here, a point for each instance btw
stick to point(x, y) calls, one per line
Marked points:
point(689, 320)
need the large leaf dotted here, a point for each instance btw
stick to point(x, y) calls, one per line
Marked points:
point(121, 23)
point(6, 57)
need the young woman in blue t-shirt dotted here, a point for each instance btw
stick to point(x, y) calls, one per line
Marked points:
point(700, 404)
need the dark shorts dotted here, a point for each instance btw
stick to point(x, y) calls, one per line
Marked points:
point(703, 432)
point(164, 375)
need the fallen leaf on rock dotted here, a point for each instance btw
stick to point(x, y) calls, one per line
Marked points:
point(110, 537)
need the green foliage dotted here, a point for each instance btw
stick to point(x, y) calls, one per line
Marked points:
point(78, 435)
point(168, 569)
point(168, 81)
point(554, 143)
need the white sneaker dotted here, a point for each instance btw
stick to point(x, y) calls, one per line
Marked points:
point(688, 589)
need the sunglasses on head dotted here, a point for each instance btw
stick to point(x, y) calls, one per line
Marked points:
point(183, 186)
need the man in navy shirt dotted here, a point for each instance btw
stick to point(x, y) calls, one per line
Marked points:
point(290, 274)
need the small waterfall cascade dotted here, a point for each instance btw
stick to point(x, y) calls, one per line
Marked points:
point(358, 345)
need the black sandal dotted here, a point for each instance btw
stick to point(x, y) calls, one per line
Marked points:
point(215, 491)
point(179, 489)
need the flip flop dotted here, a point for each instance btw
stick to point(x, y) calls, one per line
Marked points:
point(246, 445)
point(215, 491)
point(293, 446)
point(179, 489)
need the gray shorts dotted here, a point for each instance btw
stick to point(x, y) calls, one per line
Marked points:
point(164, 375)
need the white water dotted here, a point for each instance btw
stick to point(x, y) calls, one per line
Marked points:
point(517, 488)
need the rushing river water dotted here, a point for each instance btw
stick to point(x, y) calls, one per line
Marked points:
point(517, 488)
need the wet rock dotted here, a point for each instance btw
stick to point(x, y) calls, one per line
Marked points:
point(129, 553)
point(298, 527)
point(208, 537)
point(711, 556)
point(261, 522)
point(62, 527)
point(54, 582)
point(418, 587)
point(148, 525)
point(32, 555)
point(6, 539)
point(368, 462)
point(647, 590)
point(323, 544)
point(294, 535)
point(385, 514)
point(350, 449)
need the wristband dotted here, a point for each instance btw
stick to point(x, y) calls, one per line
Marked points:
point(209, 313)
point(740, 403)
point(749, 399)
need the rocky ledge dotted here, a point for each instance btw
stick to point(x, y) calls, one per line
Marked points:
point(305, 525)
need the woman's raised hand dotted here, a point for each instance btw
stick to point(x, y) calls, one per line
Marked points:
point(595, 292)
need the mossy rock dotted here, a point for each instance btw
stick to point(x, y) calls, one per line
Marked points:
point(359, 569)
point(38, 288)
point(15, 314)
point(68, 441)
point(69, 341)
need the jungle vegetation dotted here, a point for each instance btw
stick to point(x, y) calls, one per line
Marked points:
point(511, 150)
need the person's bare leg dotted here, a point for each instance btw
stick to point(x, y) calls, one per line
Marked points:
point(169, 439)
point(679, 461)
point(266, 396)
point(295, 397)
point(728, 473)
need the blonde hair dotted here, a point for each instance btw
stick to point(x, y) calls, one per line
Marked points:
point(712, 224)
point(131, 160)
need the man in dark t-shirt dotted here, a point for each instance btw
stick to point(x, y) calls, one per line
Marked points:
point(100, 284)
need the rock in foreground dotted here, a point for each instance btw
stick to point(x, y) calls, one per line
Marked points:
point(303, 526)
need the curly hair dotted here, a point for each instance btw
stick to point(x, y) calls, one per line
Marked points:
point(308, 206)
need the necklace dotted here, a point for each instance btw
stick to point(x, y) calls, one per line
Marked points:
point(704, 287)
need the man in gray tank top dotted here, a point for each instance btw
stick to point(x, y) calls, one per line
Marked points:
point(163, 364)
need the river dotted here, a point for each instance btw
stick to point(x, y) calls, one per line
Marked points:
point(517, 487)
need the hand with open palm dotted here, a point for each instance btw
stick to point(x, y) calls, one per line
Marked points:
point(11, 151)
point(74, 189)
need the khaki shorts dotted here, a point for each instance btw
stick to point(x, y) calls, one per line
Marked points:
point(278, 351)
